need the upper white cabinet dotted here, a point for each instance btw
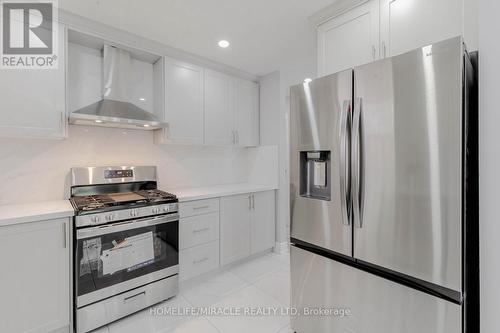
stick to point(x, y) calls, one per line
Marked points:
point(36, 277)
point(349, 39)
point(220, 97)
point(381, 28)
point(203, 106)
point(408, 24)
point(183, 102)
point(34, 100)
point(247, 113)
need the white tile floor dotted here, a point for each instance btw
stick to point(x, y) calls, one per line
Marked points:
point(258, 284)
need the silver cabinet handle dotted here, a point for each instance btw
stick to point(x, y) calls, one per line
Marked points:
point(374, 52)
point(344, 163)
point(357, 164)
point(200, 230)
point(201, 207)
point(384, 49)
point(195, 262)
point(126, 299)
point(253, 201)
point(237, 137)
point(250, 202)
point(234, 137)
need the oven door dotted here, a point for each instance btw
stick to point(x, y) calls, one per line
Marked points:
point(114, 258)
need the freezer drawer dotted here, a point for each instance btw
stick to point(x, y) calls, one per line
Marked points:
point(376, 305)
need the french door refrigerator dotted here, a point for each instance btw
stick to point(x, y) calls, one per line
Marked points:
point(384, 196)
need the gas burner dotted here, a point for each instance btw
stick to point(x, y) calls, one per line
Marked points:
point(121, 200)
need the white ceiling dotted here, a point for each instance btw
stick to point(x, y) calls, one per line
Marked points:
point(264, 34)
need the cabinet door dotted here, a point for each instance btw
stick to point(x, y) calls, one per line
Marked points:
point(234, 228)
point(409, 24)
point(247, 114)
point(262, 225)
point(34, 280)
point(34, 100)
point(349, 40)
point(184, 102)
point(219, 108)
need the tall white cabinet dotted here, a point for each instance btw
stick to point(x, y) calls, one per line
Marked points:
point(351, 38)
point(408, 24)
point(375, 29)
point(35, 277)
point(34, 101)
point(247, 225)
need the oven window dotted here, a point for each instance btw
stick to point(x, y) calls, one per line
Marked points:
point(109, 259)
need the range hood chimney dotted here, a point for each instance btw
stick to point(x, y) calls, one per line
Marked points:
point(115, 108)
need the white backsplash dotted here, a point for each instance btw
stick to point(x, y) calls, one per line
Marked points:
point(38, 170)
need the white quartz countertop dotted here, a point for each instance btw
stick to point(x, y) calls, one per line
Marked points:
point(32, 212)
point(198, 193)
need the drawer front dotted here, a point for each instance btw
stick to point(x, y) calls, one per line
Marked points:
point(197, 230)
point(198, 260)
point(198, 207)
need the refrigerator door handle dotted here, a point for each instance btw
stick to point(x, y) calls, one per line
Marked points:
point(344, 163)
point(357, 164)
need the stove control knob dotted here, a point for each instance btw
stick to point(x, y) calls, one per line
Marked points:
point(110, 217)
point(133, 212)
point(95, 219)
point(156, 210)
point(166, 209)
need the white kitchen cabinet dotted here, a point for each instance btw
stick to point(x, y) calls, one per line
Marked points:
point(184, 102)
point(35, 277)
point(247, 225)
point(198, 260)
point(220, 90)
point(262, 225)
point(409, 24)
point(234, 228)
point(247, 114)
point(34, 100)
point(350, 39)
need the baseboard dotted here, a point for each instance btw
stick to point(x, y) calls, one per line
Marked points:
point(282, 248)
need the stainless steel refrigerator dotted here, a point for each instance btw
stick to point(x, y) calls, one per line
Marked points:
point(384, 196)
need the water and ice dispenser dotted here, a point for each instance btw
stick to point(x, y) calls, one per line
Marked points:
point(315, 175)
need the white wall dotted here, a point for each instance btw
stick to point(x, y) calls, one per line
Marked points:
point(489, 81)
point(38, 170)
point(275, 109)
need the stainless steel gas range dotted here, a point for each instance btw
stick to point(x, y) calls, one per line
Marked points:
point(126, 253)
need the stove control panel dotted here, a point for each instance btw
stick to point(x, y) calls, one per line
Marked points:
point(124, 214)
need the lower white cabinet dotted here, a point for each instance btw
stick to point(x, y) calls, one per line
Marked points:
point(262, 225)
point(247, 225)
point(234, 228)
point(35, 277)
point(198, 260)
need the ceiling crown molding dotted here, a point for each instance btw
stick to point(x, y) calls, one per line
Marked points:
point(337, 8)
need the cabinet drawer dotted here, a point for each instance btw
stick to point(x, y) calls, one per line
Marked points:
point(198, 260)
point(198, 207)
point(200, 229)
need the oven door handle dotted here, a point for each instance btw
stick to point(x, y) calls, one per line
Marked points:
point(126, 225)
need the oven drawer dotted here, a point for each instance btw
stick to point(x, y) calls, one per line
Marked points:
point(98, 314)
point(196, 230)
point(198, 207)
point(198, 260)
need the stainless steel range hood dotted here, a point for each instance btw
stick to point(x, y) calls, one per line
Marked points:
point(115, 108)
